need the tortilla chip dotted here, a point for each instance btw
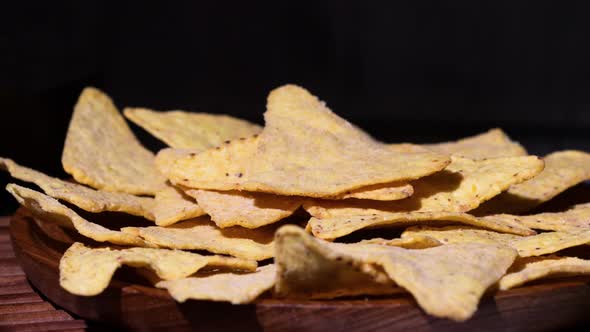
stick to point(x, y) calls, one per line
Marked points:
point(447, 281)
point(335, 227)
point(534, 268)
point(461, 187)
point(226, 287)
point(573, 220)
point(379, 192)
point(172, 205)
point(102, 152)
point(492, 144)
point(408, 242)
point(535, 245)
point(83, 197)
point(188, 130)
point(87, 272)
point(47, 208)
point(563, 170)
point(246, 209)
point(166, 158)
point(305, 150)
point(201, 234)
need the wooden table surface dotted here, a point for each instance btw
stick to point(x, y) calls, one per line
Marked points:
point(21, 307)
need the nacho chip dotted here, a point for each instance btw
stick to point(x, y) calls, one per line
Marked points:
point(202, 234)
point(461, 187)
point(492, 144)
point(188, 130)
point(306, 150)
point(534, 268)
point(536, 245)
point(102, 152)
point(573, 220)
point(333, 228)
point(87, 272)
point(408, 242)
point(246, 209)
point(166, 158)
point(447, 281)
point(83, 197)
point(226, 287)
point(172, 205)
point(379, 192)
point(563, 170)
point(47, 208)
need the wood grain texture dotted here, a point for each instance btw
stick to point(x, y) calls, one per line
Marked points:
point(21, 308)
point(130, 303)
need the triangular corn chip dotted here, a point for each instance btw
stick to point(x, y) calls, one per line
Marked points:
point(492, 144)
point(306, 150)
point(47, 208)
point(188, 130)
point(535, 245)
point(166, 158)
point(202, 234)
point(226, 287)
point(335, 227)
point(447, 281)
point(102, 152)
point(83, 197)
point(461, 187)
point(379, 192)
point(573, 220)
point(85, 271)
point(408, 242)
point(172, 205)
point(563, 170)
point(246, 209)
point(534, 268)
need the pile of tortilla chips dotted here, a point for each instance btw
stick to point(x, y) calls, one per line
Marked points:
point(232, 211)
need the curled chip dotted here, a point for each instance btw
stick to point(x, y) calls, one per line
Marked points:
point(47, 208)
point(533, 268)
point(83, 197)
point(573, 220)
point(227, 287)
point(306, 150)
point(172, 205)
point(245, 209)
point(102, 152)
point(408, 242)
point(536, 245)
point(461, 187)
point(87, 272)
point(201, 234)
point(189, 130)
point(563, 170)
point(492, 144)
point(335, 227)
point(446, 281)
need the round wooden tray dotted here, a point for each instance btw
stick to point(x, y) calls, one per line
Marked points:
point(130, 303)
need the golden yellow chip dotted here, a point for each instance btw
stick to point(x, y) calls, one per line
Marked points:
point(225, 287)
point(188, 130)
point(461, 187)
point(172, 205)
point(534, 268)
point(83, 197)
point(408, 242)
point(379, 192)
point(306, 150)
point(47, 208)
point(563, 170)
point(335, 227)
point(166, 158)
point(85, 271)
point(573, 220)
point(102, 152)
point(492, 144)
point(245, 209)
point(202, 234)
point(535, 245)
point(446, 281)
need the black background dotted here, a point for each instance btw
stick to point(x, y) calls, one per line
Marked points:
point(419, 71)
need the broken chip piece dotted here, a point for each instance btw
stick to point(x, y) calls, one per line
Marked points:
point(534, 268)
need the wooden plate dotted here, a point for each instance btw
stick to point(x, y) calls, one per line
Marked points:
point(128, 303)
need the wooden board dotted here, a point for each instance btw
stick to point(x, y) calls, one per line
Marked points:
point(39, 245)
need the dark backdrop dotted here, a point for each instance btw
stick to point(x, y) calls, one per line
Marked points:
point(419, 71)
